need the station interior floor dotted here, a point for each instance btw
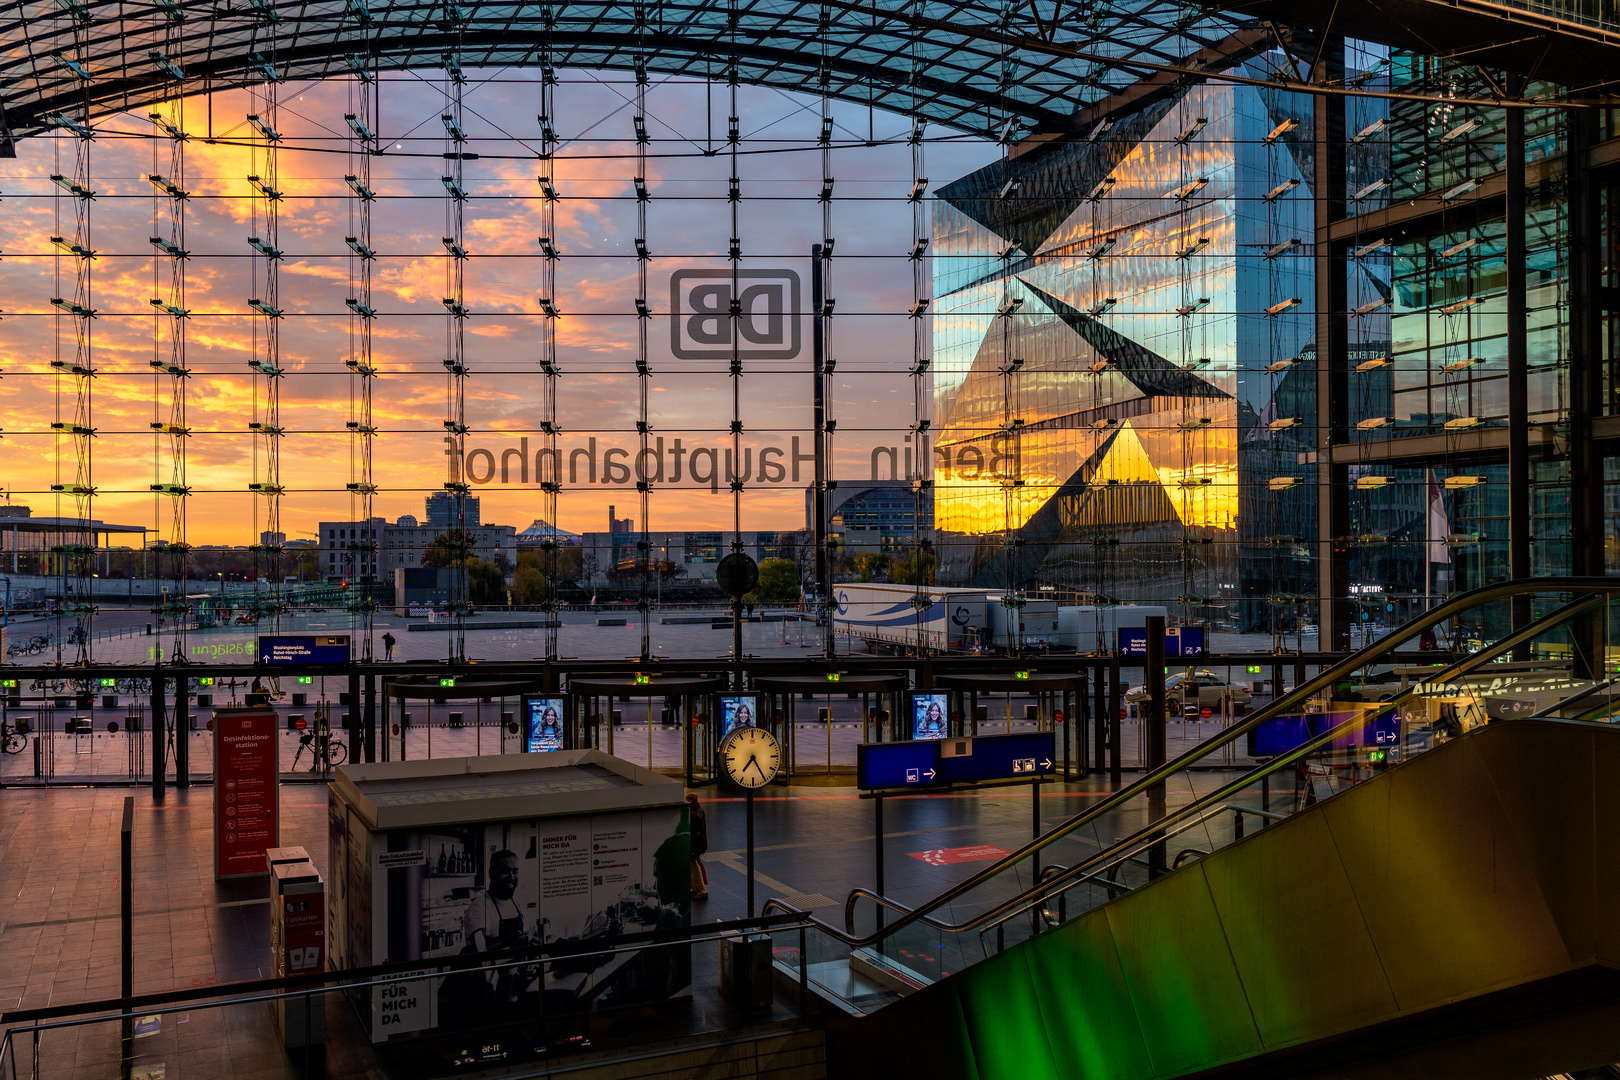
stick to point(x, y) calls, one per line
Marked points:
point(59, 889)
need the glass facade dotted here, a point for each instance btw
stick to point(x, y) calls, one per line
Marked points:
point(1124, 359)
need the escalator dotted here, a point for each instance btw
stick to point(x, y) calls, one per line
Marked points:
point(1421, 882)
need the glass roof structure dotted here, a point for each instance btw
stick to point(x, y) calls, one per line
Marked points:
point(980, 67)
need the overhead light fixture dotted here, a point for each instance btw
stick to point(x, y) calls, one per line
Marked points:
point(1276, 367)
point(1283, 424)
point(1103, 187)
point(1370, 130)
point(1373, 423)
point(1281, 483)
point(1456, 483)
point(1372, 306)
point(1280, 190)
point(1460, 130)
point(1372, 189)
point(1463, 423)
point(1188, 190)
point(1372, 365)
point(1102, 306)
point(1368, 249)
point(1283, 305)
point(1461, 189)
point(1461, 365)
point(1282, 129)
point(1368, 483)
point(1458, 249)
point(1192, 130)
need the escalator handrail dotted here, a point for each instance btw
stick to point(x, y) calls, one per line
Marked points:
point(1300, 695)
point(1198, 810)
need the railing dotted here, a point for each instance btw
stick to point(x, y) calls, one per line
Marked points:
point(1383, 704)
point(123, 1037)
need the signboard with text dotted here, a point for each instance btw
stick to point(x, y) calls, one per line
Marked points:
point(247, 806)
point(1178, 641)
point(303, 649)
point(929, 762)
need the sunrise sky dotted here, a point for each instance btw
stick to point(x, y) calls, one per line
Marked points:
point(688, 228)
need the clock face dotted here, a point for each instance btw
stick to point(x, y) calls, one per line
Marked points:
point(751, 756)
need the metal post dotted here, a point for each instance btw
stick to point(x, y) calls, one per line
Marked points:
point(877, 805)
point(818, 409)
point(126, 911)
point(749, 913)
point(182, 732)
point(371, 722)
point(1153, 733)
point(1332, 363)
point(1518, 381)
point(351, 715)
point(159, 766)
point(1114, 724)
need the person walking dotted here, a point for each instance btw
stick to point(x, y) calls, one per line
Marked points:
point(699, 826)
point(388, 645)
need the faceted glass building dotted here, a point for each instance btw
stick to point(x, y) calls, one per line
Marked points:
point(1124, 358)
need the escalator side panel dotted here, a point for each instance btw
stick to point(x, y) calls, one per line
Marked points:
point(1441, 877)
point(1274, 898)
point(1549, 791)
point(1432, 886)
point(1184, 984)
point(1081, 999)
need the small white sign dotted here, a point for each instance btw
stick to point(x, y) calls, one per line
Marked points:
point(393, 860)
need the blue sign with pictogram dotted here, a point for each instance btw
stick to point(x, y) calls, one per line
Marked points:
point(1178, 641)
point(305, 649)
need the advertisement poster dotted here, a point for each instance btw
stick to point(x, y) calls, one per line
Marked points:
point(453, 892)
point(928, 715)
point(543, 725)
point(246, 793)
point(736, 712)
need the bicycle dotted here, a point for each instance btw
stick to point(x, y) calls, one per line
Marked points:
point(321, 747)
point(12, 741)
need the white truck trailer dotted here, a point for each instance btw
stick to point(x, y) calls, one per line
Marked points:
point(955, 620)
point(1095, 628)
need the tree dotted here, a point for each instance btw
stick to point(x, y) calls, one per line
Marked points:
point(485, 582)
point(450, 548)
point(778, 583)
point(529, 585)
point(869, 565)
point(916, 568)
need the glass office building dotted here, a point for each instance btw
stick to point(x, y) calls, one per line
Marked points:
point(1124, 358)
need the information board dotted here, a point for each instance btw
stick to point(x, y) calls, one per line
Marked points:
point(1178, 641)
point(925, 762)
point(1285, 733)
point(303, 649)
point(543, 724)
point(247, 801)
point(913, 763)
point(928, 716)
point(997, 757)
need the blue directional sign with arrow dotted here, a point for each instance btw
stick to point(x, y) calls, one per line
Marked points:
point(930, 762)
point(308, 649)
point(897, 764)
point(997, 757)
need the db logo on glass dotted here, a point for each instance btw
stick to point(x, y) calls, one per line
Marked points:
point(766, 315)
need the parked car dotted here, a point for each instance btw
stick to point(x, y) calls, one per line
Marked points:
point(1201, 687)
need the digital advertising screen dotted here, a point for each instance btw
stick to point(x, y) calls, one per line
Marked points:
point(736, 712)
point(543, 724)
point(929, 713)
